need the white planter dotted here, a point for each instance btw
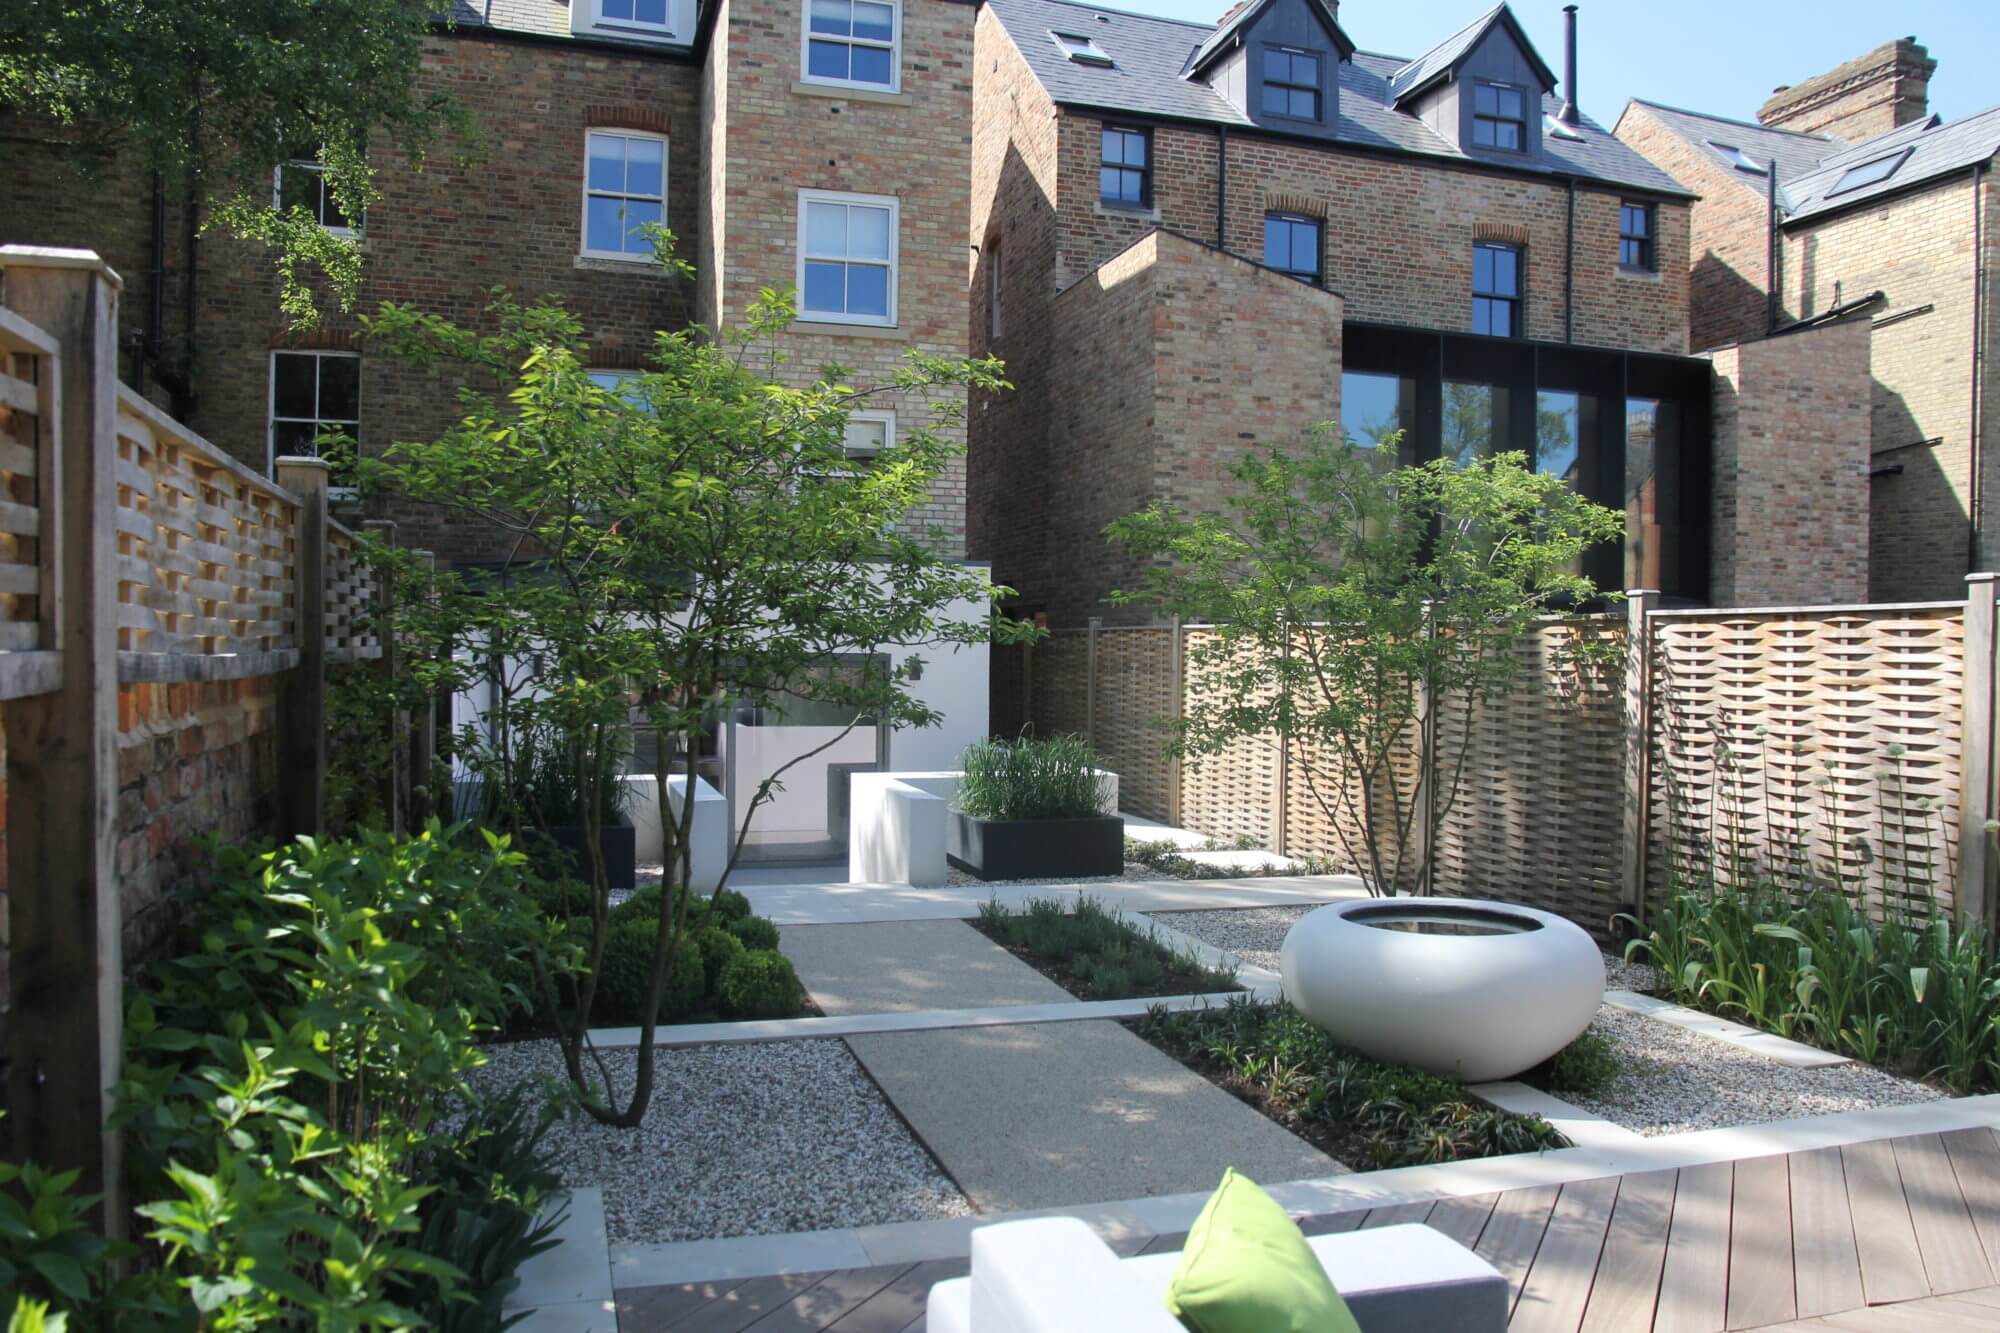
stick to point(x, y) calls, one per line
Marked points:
point(1474, 1006)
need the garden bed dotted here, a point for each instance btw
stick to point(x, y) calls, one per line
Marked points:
point(1097, 953)
point(1368, 1115)
point(743, 1140)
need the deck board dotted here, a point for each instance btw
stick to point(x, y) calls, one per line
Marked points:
point(1828, 1272)
point(1760, 1245)
point(1892, 1267)
point(1558, 1284)
point(1954, 1259)
point(1694, 1281)
point(1835, 1240)
point(1627, 1288)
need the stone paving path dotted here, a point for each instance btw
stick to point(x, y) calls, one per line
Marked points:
point(1031, 1115)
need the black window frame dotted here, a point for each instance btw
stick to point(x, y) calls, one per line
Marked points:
point(1513, 301)
point(1144, 170)
point(1479, 118)
point(1647, 251)
point(1317, 277)
point(1317, 87)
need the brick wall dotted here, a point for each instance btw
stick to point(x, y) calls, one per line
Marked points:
point(1917, 250)
point(1726, 236)
point(1790, 506)
point(782, 136)
point(1399, 234)
point(1866, 96)
point(1170, 361)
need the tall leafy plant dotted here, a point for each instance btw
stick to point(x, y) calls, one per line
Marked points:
point(1052, 777)
point(695, 535)
point(1353, 603)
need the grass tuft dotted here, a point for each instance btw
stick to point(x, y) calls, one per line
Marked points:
point(1095, 953)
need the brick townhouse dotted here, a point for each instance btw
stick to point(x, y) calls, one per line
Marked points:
point(1195, 236)
point(822, 145)
point(1872, 207)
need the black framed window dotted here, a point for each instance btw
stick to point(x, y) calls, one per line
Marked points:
point(1125, 170)
point(1499, 116)
point(1496, 289)
point(1291, 83)
point(1635, 236)
point(1292, 246)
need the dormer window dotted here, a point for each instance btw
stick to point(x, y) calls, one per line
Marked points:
point(1082, 49)
point(1291, 83)
point(1499, 117)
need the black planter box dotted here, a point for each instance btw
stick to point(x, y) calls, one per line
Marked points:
point(1036, 848)
point(570, 856)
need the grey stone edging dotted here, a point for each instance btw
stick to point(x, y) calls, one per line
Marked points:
point(1785, 1051)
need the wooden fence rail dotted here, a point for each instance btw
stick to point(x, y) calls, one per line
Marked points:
point(166, 617)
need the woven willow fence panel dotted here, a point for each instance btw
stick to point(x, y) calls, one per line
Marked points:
point(1538, 814)
point(1135, 695)
point(1062, 683)
point(1233, 794)
point(1821, 742)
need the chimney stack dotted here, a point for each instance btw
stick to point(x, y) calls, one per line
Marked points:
point(1570, 113)
point(1867, 96)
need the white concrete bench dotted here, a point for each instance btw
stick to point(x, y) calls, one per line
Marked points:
point(896, 824)
point(1053, 1275)
point(710, 832)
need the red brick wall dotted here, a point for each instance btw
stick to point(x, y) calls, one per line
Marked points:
point(1790, 504)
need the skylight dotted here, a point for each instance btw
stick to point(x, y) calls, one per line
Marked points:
point(1868, 173)
point(1739, 159)
point(1081, 49)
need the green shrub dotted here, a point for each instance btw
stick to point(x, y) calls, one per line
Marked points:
point(628, 959)
point(756, 932)
point(717, 947)
point(1029, 778)
point(728, 905)
point(760, 983)
point(559, 898)
point(644, 903)
point(1096, 952)
point(1588, 1066)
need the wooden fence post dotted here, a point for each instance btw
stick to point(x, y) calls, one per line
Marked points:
point(1976, 898)
point(304, 747)
point(1638, 717)
point(395, 782)
point(1090, 681)
point(64, 913)
point(1177, 670)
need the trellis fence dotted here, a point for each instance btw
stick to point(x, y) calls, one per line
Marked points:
point(167, 616)
point(1854, 744)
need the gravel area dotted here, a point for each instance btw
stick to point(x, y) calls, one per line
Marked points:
point(1672, 1080)
point(1253, 934)
point(1621, 975)
point(742, 1140)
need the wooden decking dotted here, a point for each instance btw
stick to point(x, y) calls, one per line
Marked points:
point(1806, 1240)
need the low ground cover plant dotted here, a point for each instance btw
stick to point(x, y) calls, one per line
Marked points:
point(305, 1149)
point(1096, 953)
point(727, 965)
point(1363, 1113)
point(1587, 1067)
point(1168, 859)
point(1047, 777)
point(1916, 992)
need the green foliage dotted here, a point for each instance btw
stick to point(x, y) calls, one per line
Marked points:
point(1587, 1066)
point(1918, 994)
point(553, 779)
point(1368, 1114)
point(288, 1069)
point(694, 537)
point(1353, 600)
point(1098, 954)
point(52, 1258)
point(756, 932)
point(717, 947)
point(1168, 859)
point(1030, 778)
point(728, 905)
point(759, 983)
point(627, 966)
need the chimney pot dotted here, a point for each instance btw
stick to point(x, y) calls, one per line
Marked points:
point(1571, 112)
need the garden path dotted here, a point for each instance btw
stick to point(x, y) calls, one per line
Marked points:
point(899, 966)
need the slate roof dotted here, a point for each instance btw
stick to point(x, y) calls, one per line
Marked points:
point(1145, 79)
point(1441, 59)
point(1811, 165)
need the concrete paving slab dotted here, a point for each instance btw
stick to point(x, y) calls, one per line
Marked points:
point(887, 967)
point(831, 904)
point(1046, 1116)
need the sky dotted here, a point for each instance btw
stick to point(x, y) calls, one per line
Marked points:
point(1719, 56)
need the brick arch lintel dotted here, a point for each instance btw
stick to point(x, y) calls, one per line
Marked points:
point(1285, 201)
point(1513, 233)
point(649, 120)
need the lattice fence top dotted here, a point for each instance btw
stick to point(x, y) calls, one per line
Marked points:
point(27, 379)
point(206, 547)
point(351, 588)
point(1819, 744)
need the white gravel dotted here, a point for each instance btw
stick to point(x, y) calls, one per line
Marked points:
point(1621, 975)
point(1672, 1080)
point(742, 1140)
point(1253, 934)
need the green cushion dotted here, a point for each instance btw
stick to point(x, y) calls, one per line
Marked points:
point(1246, 1268)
